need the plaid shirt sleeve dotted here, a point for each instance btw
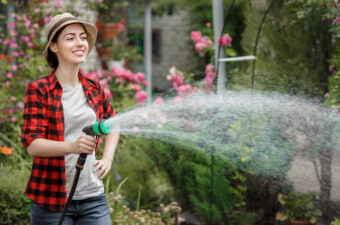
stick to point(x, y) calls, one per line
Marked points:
point(35, 121)
point(107, 107)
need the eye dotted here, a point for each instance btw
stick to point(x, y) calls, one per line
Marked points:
point(83, 37)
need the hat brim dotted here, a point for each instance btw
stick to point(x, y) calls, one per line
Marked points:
point(90, 30)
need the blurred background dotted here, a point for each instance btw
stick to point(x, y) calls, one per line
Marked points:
point(149, 50)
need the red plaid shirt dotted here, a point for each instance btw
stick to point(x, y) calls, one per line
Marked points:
point(44, 118)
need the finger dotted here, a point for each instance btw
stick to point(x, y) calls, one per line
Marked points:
point(104, 172)
point(96, 161)
point(101, 171)
point(90, 138)
point(89, 143)
point(98, 165)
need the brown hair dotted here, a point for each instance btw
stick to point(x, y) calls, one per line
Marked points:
point(52, 58)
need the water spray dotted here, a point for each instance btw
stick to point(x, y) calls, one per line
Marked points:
point(98, 128)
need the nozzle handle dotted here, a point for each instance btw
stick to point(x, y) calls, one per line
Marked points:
point(88, 130)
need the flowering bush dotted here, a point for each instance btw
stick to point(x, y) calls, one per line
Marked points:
point(333, 95)
point(121, 214)
point(203, 45)
point(135, 81)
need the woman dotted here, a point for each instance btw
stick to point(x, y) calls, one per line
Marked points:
point(57, 107)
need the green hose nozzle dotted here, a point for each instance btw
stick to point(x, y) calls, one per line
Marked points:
point(99, 128)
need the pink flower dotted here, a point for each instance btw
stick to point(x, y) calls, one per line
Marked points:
point(16, 54)
point(209, 80)
point(146, 84)
point(225, 40)
point(326, 95)
point(208, 24)
point(336, 20)
point(141, 96)
point(108, 93)
point(12, 25)
point(139, 77)
point(57, 2)
point(9, 75)
point(14, 67)
point(47, 19)
point(158, 100)
point(13, 32)
point(6, 42)
point(136, 88)
point(100, 1)
point(25, 38)
point(331, 68)
point(37, 10)
point(13, 119)
point(202, 44)
point(8, 83)
point(175, 77)
point(27, 23)
point(18, 17)
point(196, 35)
point(13, 45)
point(178, 98)
point(100, 141)
point(181, 90)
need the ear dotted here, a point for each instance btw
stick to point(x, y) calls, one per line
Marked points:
point(53, 47)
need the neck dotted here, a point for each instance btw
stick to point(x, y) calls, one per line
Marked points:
point(68, 75)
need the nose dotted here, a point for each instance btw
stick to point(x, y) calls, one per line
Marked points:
point(80, 41)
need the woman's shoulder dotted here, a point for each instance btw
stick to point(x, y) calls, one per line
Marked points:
point(40, 83)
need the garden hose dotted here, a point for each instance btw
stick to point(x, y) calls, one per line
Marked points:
point(98, 128)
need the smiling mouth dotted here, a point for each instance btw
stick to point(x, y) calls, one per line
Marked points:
point(79, 52)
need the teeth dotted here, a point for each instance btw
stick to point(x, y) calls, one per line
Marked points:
point(79, 52)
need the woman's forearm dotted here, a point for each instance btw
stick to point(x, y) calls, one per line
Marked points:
point(111, 142)
point(47, 148)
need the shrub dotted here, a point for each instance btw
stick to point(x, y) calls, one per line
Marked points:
point(14, 205)
point(121, 214)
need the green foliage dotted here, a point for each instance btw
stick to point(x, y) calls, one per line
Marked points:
point(336, 222)
point(297, 206)
point(298, 62)
point(145, 178)
point(333, 95)
point(14, 206)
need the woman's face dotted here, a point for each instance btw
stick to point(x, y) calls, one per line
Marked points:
point(71, 46)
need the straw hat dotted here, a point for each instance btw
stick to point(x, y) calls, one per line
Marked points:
point(60, 21)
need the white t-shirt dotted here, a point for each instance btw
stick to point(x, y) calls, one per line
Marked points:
point(77, 115)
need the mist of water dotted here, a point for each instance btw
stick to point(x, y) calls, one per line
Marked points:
point(259, 131)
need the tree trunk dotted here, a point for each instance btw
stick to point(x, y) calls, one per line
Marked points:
point(325, 158)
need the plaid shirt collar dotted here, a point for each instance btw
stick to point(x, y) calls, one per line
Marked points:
point(87, 85)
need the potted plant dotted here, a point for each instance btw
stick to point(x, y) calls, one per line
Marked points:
point(298, 208)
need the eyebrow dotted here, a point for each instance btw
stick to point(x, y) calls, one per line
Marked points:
point(74, 34)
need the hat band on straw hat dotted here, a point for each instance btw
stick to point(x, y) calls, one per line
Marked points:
point(60, 22)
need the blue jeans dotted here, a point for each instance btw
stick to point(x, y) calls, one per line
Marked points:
point(92, 211)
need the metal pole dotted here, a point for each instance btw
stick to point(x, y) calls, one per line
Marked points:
point(10, 19)
point(148, 48)
point(218, 26)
